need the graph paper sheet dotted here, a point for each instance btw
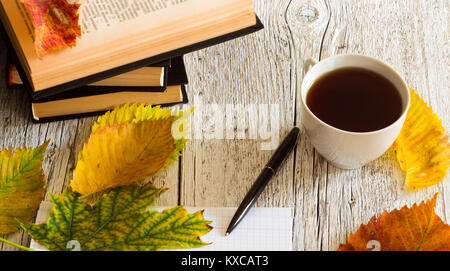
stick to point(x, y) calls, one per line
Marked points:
point(262, 229)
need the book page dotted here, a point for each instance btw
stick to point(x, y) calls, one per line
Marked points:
point(96, 15)
point(100, 14)
point(25, 16)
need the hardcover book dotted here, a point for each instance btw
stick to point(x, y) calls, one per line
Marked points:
point(150, 78)
point(90, 101)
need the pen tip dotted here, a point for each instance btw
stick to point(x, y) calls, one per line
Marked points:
point(226, 234)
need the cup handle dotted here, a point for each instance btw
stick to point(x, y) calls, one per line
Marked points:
point(308, 64)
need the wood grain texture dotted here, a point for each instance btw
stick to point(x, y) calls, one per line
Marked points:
point(267, 68)
point(245, 71)
point(408, 36)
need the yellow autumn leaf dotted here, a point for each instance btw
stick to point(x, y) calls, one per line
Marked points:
point(139, 112)
point(422, 147)
point(132, 113)
point(127, 145)
point(21, 186)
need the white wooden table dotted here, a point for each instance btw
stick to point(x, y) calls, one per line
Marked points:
point(266, 68)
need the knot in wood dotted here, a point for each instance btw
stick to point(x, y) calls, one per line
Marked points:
point(308, 14)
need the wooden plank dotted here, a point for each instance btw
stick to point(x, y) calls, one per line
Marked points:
point(407, 35)
point(18, 131)
point(266, 69)
point(250, 70)
point(307, 22)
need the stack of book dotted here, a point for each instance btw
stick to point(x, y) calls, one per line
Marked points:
point(129, 52)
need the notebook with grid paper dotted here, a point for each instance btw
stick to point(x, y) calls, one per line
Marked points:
point(262, 229)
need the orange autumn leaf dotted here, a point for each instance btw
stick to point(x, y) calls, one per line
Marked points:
point(55, 24)
point(409, 229)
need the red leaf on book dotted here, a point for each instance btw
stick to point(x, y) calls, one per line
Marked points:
point(56, 24)
point(10, 75)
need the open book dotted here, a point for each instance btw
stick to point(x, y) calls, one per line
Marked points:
point(122, 32)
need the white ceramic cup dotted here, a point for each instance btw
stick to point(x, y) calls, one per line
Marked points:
point(345, 149)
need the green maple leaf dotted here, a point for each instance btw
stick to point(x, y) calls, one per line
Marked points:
point(119, 221)
point(21, 186)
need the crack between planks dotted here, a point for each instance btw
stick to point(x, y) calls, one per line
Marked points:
point(70, 153)
point(294, 83)
point(326, 193)
point(28, 240)
point(292, 75)
point(445, 218)
point(194, 177)
point(326, 29)
point(319, 239)
point(180, 171)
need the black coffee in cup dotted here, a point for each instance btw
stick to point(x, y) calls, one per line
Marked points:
point(355, 100)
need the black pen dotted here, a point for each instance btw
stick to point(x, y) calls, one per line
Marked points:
point(267, 173)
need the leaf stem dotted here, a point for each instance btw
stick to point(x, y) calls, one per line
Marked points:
point(16, 245)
